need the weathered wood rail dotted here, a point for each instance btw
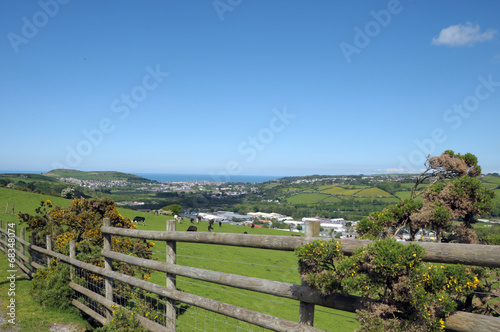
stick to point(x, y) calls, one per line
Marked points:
point(479, 255)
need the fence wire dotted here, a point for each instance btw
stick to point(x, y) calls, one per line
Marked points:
point(93, 282)
point(153, 307)
point(38, 258)
point(197, 319)
point(144, 303)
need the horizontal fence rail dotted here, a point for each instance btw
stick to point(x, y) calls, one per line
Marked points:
point(479, 255)
point(450, 253)
point(282, 289)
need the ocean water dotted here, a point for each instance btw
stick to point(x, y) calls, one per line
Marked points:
point(160, 177)
point(8, 171)
point(207, 177)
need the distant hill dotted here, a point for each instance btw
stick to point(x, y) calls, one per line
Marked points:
point(95, 175)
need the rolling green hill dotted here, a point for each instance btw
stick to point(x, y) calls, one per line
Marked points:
point(267, 264)
point(307, 198)
point(25, 202)
point(95, 175)
point(372, 192)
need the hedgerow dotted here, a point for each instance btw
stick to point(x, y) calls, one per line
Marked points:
point(123, 320)
point(50, 286)
point(401, 292)
point(82, 222)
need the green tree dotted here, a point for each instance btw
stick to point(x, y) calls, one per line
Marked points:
point(411, 295)
point(446, 166)
point(68, 193)
point(82, 222)
point(454, 193)
point(175, 208)
point(464, 198)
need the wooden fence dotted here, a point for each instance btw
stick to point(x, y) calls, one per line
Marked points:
point(99, 303)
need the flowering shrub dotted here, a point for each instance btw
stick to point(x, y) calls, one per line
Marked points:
point(82, 222)
point(122, 321)
point(321, 264)
point(51, 286)
point(403, 293)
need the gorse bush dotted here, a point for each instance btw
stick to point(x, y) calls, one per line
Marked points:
point(50, 286)
point(402, 292)
point(122, 321)
point(82, 222)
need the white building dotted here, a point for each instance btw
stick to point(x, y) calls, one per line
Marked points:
point(337, 228)
point(267, 216)
point(208, 216)
point(310, 219)
point(294, 223)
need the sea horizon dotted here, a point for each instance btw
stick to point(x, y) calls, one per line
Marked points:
point(175, 177)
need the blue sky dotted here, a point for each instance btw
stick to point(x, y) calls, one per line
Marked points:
point(248, 87)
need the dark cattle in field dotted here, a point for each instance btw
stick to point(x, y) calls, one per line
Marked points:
point(140, 219)
point(192, 229)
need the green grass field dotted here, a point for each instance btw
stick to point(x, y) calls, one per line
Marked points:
point(335, 190)
point(307, 198)
point(29, 316)
point(403, 194)
point(251, 262)
point(490, 185)
point(266, 264)
point(491, 179)
point(332, 199)
point(25, 202)
point(372, 192)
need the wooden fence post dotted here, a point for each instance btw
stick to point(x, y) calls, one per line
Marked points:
point(49, 247)
point(14, 230)
point(306, 311)
point(6, 227)
point(171, 282)
point(72, 254)
point(108, 266)
point(33, 254)
point(22, 235)
point(1, 235)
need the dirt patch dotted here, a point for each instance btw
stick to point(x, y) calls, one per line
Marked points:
point(56, 327)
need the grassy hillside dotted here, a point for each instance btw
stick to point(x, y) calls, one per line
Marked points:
point(25, 202)
point(372, 192)
point(267, 264)
point(260, 263)
point(307, 198)
point(336, 190)
point(28, 178)
point(29, 316)
point(95, 175)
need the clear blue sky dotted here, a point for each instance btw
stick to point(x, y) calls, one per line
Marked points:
point(248, 87)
